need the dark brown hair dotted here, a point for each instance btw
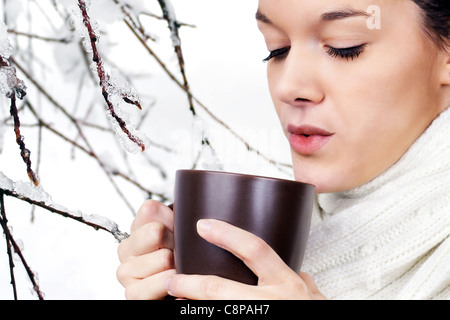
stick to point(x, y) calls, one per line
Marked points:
point(436, 14)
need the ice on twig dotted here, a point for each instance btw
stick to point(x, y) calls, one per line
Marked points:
point(169, 15)
point(116, 85)
point(30, 191)
point(115, 89)
point(12, 87)
point(38, 196)
point(20, 244)
point(5, 182)
point(5, 47)
point(9, 82)
point(8, 79)
point(4, 86)
point(118, 91)
point(132, 140)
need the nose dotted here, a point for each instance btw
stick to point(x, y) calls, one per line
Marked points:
point(295, 80)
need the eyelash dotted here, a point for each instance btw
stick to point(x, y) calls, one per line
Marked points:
point(278, 53)
point(346, 53)
point(343, 53)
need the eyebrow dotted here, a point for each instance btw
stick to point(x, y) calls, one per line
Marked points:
point(327, 16)
point(342, 14)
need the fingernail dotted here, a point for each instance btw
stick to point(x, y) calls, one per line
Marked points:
point(204, 225)
point(168, 285)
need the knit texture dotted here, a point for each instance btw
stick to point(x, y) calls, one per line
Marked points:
point(389, 239)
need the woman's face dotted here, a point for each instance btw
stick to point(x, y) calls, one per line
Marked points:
point(353, 90)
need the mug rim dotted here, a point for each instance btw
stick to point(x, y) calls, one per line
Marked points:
point(244, 175)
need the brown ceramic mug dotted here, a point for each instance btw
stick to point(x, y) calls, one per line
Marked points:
point(278, 211)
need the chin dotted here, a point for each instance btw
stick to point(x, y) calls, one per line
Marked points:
point(323, 183)
point(326, 176)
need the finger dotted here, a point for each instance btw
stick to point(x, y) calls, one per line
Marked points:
point(153, 211)
point(309, 281)
point(252, 250)
point(152, 288)
point(196, 287)
point(148, 238)
point(145, 266)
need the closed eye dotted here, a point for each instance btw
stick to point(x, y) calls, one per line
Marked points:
point(346, 53)
point(278, 53)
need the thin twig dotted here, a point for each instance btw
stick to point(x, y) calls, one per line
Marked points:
point(136, 23)
point(37, 37)
point(17, 87)
point(169, 15)
point(24, 152)
point(155, 16)
point(3, 222)
point(137, 184)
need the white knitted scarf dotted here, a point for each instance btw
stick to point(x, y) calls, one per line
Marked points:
point(389, 239)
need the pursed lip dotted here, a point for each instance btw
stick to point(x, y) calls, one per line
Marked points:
point(308, 130)
point(307, 139)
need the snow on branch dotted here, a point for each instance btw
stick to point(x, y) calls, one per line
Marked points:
point(115, 89)
point(37, 196)
point(13, 87)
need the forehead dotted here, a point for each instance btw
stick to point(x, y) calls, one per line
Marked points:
point(310, 14)
point(324, 3)
point(297, 17)
point(312, 10)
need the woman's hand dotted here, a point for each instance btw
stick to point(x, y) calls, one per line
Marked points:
point(147, 255)
point(276, 279)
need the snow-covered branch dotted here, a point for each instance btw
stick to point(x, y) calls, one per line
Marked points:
point(114, 88)
point(39, 197)
point(13, 87)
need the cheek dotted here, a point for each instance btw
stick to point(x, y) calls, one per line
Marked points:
point(382, 113)
point(388, 90)
point(273, 78)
